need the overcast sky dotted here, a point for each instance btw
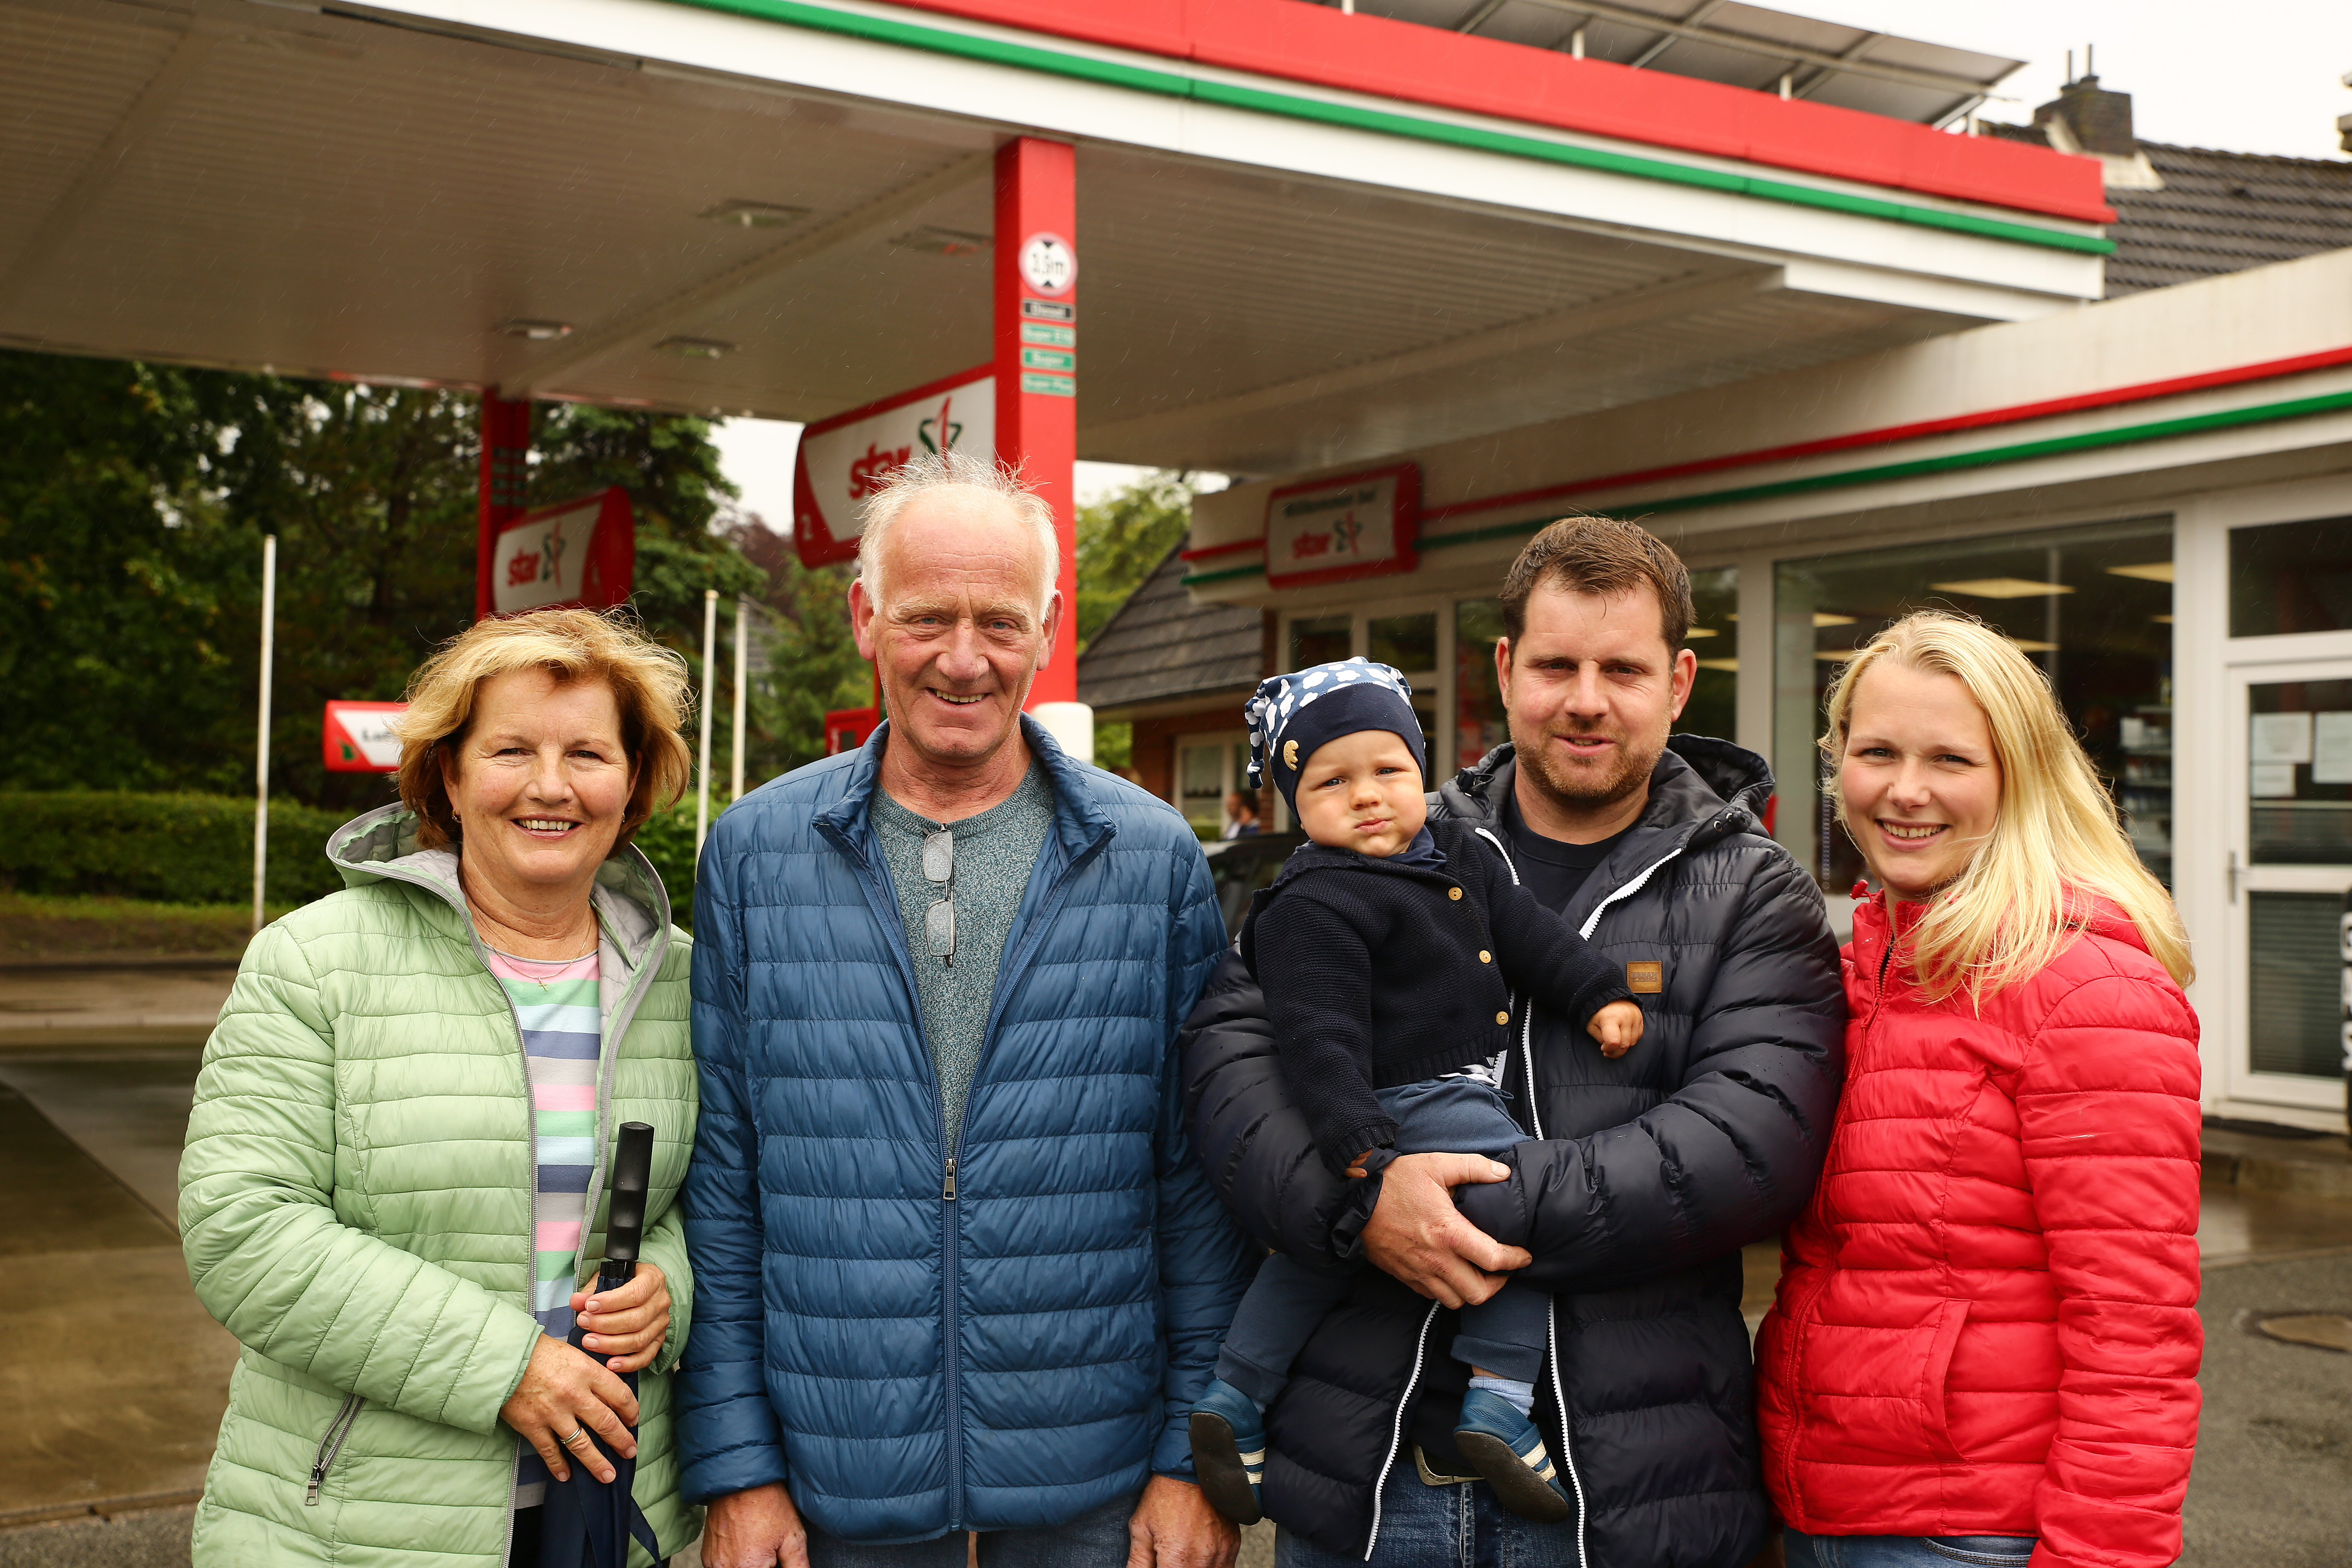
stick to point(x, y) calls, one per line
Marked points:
point(2259, 76)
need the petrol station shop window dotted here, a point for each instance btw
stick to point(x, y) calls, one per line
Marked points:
point(1409, 643)
point(2092, 606)
point(1321, 639)
point(2288, 577)
point(1480, 724)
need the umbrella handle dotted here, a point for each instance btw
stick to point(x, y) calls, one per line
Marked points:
point(625, 1224)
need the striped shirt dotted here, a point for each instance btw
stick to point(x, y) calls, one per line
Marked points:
point(563, 1027)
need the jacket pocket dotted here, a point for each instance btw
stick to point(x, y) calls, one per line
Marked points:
point(1790, 1370)
point(338, 1432)
point(1949, 1319)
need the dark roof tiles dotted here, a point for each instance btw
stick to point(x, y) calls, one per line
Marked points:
point(1161, 646)
point(2217, 212)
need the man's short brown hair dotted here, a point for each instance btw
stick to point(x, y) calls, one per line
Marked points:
point(1601, 556)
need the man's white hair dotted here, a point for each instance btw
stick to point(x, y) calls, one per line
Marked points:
point(941, 470)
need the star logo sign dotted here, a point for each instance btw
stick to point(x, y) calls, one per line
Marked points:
point(937, 433)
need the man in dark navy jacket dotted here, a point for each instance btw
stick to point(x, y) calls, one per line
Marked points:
point(955, 1268)
point(1642, 1178)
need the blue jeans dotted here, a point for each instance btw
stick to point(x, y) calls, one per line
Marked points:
point(1907, 1551)
point(1506, 1334)
point(1096, 1539)
point(1456, 1526)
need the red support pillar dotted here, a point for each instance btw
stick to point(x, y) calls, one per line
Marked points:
point(506, 459)
point(1036, 357)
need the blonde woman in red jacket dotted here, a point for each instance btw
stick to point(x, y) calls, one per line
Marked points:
point(1985, 1344)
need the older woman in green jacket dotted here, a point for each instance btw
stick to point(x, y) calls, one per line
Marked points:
point(396, 1164)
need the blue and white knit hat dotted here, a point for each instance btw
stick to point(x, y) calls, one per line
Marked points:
point(1294, 714)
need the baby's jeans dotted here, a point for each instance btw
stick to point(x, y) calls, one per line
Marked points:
point(1506, 1334)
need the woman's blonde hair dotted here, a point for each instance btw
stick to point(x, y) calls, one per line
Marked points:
point(648, 682)
point(2056, 841)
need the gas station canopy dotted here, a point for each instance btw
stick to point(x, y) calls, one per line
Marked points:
point(1305, 237)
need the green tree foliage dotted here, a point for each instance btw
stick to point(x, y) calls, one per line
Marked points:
point(1122, 540)
point(812, 667)
point(130, 592)
point(132, 502)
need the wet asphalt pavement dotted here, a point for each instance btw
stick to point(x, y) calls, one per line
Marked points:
point(116, 1405)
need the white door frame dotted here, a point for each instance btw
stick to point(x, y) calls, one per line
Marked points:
point(2259, 661)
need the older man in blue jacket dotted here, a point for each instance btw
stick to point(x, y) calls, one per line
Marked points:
point(955, 1266)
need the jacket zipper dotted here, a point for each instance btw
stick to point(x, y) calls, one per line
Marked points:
point(885, 900)
point(1535, 1121)
point(338, 1430)
point(1797, 1319)
point(608, 1048)
point(1396, 1431)
point(1019, 943)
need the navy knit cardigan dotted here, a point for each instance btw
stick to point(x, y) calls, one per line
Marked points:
point(1377, 974)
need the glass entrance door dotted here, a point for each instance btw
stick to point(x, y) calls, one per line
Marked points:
point(2290, 866)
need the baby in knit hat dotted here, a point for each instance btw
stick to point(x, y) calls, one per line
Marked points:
point(1388, 950)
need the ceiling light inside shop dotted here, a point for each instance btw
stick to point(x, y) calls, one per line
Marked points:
point(696, 348)
point(2148, 571)
point(2001, 588)
point(1702, 632)
point(2161, 620)
point(1837, 655)
point(1728, 666)
point(538, 331)
point(938, 241)
point(739, 213)
point(1823, 619)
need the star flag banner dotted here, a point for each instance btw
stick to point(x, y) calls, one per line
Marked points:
point(1331, 530)
point(845, 459)
point(581, 552)
point(358, 737)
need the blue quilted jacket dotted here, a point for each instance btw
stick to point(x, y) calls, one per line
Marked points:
point(914, 1350)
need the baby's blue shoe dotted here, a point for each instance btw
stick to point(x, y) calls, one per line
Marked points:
point(1229, 1451)
point(1505, 1446)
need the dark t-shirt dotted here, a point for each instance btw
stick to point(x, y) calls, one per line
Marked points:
point(1555, 873)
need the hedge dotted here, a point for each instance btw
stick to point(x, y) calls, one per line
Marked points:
point(198, 848)
point(173, 849)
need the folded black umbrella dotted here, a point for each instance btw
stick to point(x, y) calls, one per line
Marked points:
point(587, 1523)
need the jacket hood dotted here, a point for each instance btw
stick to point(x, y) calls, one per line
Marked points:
point(380, 846)
point(1702, 788)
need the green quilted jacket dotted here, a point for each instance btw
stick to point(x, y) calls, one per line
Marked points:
point(355, 1204)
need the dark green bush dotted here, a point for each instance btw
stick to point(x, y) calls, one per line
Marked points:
point(174, 849)
point(667, 839)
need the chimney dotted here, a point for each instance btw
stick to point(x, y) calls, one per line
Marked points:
point(2096, 121)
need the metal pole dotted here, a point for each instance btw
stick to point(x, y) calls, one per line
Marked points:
point(743, 667)
point(710, 655)
point(261, 739)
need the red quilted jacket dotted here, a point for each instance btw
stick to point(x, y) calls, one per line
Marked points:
point(1986, 1323)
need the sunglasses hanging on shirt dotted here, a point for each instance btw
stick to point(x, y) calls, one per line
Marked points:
point(939, 922)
